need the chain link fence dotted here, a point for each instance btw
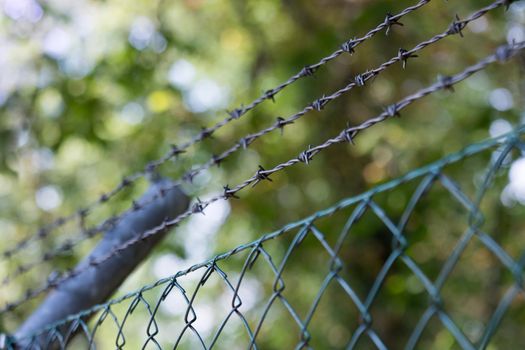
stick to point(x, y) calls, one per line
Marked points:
point(353, 298)
point(442, 268)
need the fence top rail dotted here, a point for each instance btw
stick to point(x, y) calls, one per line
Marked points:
point(505, 139)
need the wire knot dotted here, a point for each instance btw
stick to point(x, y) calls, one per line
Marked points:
point(457, 26)
point(307, 71)
point(503, 53)
point(150, 168)
point(270, 94)
point(350, 45)
point(392, 111)
point(391, 21)
point(67, 245)
point(82, 213)
point(246, 141)
point(229, 193)
point(61, 221)
point(189, 176)
point(403, 55)
point(446, 82)
point(348, 134)
point(198, 207)
point(206, 132)
point(360, 80)
point(135, 206)
point(236, 113)
point(175, 151)
point(216, 160)
point(47, 256)
point(281, 123)
point(53, 278)
point(319, 104)
point(261, 175)
point(507, 3)
point(124, 183)
point(41, 233)
point(306, 156)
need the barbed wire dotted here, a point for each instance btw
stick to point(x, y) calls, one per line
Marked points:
point(81, 214)
point(502, 54)
point(360, 80)
point(429, 175)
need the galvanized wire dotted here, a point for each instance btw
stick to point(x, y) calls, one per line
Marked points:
point(502, 54)
point(128, 181)
point(427, 177)
point(360, 80)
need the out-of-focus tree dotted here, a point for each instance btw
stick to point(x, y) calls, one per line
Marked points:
point(91, 91)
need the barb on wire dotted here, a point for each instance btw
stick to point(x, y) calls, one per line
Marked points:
point(457, 27)
point(257, 253)
point(509, 51)
point(234, 114)
point(404, 55)
point(281, 123)
point(391, 21)
point(507, 3)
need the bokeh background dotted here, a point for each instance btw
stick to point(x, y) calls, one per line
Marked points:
point(90, 91)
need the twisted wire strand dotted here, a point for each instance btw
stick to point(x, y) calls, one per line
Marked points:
point(80, 214)
point(502, 54)
point(317, 105)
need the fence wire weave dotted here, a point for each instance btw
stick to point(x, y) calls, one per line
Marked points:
point(236, 113)
point(118, 313)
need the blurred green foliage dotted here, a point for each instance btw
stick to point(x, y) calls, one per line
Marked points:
point(92, 90)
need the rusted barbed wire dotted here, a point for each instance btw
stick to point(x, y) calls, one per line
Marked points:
point(317, 105)
point(80, 214)
point(502, 54)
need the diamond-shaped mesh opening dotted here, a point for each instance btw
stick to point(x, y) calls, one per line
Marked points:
point(210, 305)
point(435, 335)
point(503, 215)
point(364, 250)
point(232, 335)
point(277, 315)
point(433, 220)
point(107, 323)
point(511, 324)
point(169, 312)
point(367, 340)
point(474, 288)
point(302, 289)
point(335, 317)
point(398, 305)
point(332, 226)
point(138, 326)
